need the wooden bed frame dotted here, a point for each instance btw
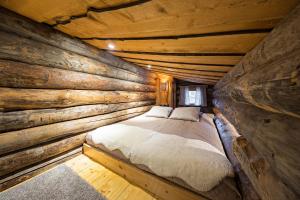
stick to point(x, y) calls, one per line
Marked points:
point(158, 187)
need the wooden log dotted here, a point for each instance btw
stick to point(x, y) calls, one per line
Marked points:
point(21, 75)
point(15, 140)
point(14, 47)
point(282, 40)
point(12, 22)
point(267, 132)
point(16, 99)
point(273, 87)
point(10, 121)
point(30, 172)
point(16, 161)
point(260, 172)
point(228, 134)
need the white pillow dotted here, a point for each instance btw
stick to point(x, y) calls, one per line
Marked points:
point(209, 117)
point(159, 111)
point(186, 113)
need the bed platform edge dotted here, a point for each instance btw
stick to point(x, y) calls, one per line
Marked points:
point(155, 185)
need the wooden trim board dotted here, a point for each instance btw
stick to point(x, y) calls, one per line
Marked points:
point(35, 170)
point(158, 187)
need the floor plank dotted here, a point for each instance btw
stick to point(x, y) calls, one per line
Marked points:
point(109, 184)
point(132, 192)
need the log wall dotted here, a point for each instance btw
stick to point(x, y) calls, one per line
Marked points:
point(53, 89)
point(261, 97)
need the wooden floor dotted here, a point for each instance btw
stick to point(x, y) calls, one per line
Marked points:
point(109, 184)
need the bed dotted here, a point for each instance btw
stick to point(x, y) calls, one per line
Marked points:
point(202, 131)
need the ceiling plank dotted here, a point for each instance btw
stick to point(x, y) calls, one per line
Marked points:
point(195, 80)
point(218, 68)
point(93, 9)
point(216, 60)
point(51, 10)
point(177, 17)
point(239, 43)
point(186, 73)
point(211, 78)
point(178, 54)
point(182, 77)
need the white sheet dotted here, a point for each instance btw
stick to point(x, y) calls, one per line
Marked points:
point(199, 164)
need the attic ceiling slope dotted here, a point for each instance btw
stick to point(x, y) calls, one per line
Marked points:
point(192, 39)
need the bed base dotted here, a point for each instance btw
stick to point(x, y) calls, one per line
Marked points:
point(158, 187)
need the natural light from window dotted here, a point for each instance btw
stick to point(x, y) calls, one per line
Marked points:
point(192, 97)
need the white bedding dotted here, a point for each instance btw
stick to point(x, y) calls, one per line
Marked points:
point(204, 130)
point(198, 163)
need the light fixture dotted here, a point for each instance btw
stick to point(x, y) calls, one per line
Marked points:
point(164, 86)
point(149, 66)
point(111, 46)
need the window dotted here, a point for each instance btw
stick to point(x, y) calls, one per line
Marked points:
point(192, 97)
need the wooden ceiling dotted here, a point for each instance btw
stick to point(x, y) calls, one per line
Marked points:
point(195, 40)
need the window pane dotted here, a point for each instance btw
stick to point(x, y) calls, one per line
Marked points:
point(192, 97)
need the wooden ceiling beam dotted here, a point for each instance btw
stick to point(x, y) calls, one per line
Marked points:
point(212, 78)
point(192, 79)
point(195, 80)
point(177, 37)
point(216, 68)
point(174, 62)
point(182, 54)
point(187, 77)
point(186, 71)
point(207, 59)
point(239, 43)
point(183, 62)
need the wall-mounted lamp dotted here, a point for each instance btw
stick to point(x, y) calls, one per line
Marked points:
point(164, 86)
point(149, 66)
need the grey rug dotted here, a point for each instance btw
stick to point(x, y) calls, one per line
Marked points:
point(57, 184)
